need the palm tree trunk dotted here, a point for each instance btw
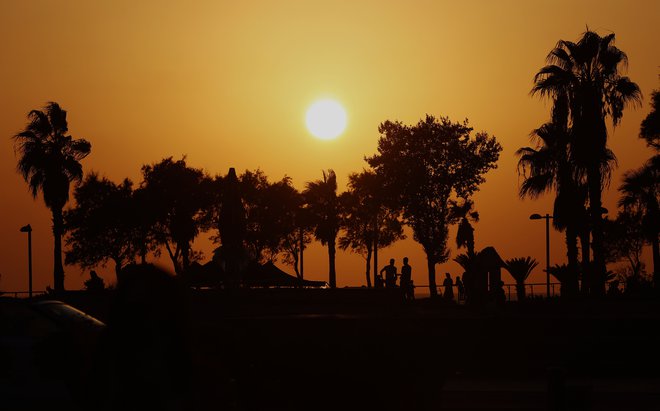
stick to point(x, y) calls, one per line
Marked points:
point(368, 268)
point(118, 267)
point(572, 255)
point(520, 290)
point(598, 272)
point(656, 262)
point(332, 275)
point(58, 268)
point(433, 289)
point(585, 264)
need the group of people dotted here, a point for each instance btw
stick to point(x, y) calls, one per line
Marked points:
point(449, 284)
point(390, 278)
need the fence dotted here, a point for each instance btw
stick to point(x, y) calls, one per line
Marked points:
point(21, 294)
point(532, 290)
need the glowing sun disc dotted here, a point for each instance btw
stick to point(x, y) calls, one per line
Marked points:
point(326, 119)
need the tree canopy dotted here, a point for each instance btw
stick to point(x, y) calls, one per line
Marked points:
point(424, 166)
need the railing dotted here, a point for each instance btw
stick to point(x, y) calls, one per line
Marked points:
point(532, 290)
point(21, 294)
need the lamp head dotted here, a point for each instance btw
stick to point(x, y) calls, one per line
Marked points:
point(26, 229)
point(535, 216)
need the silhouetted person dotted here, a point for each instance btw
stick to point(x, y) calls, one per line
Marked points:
point(406, 281)
point(390, 274)
point(407, 287)
point(148, 361)
point(448, 283)
point(460, 288)
point(95, 283)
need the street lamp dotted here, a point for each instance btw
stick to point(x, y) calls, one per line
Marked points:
point(547, 218)
point(28, 229)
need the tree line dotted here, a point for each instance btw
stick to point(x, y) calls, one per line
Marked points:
point(423, 176)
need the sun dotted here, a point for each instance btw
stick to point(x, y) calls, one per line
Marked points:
point(326, 119)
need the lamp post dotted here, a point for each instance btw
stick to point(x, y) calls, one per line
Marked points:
point(547, 218)
point(28, 229)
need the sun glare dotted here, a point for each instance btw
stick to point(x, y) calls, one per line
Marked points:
point(326, 119)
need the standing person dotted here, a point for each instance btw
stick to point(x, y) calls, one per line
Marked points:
point(390, 274)
point(449, 287)
point(406, 281)
point(460, 287)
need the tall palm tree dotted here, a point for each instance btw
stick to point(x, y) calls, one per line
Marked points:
point(520, 269)
point(323, 207)
point(464, 213)
point(640, 190)
point(548, 167)
point(49, 160)
point(588, 72)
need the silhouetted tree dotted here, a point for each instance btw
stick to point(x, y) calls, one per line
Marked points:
point(323, 207)
point(520, 269)
point(464, 213)
point(49, 160)
point(180, 196)
point(271, 211)
point(103, 224)
point(548, 167)
point(367, 218)
point(423, 167)
point(650, 129)
point(640, 190)
point(588, 73)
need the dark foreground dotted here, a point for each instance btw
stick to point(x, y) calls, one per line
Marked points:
point(358, 349)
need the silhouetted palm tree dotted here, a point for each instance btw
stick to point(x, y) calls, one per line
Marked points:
point(323, 207)
point(464, 213)
point(520, 269)
point(588, 74)
point(49, 161)
point(548, 167)
point(640, 190)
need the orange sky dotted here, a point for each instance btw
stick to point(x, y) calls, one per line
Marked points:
point(227, 84)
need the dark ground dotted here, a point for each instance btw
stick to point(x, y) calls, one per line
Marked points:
point(365, 349)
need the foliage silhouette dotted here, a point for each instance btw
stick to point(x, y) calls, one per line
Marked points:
point(272, 211)
point(549, 167)
point(324, 212)
point(423, 167)
point(464, 213)
point(640, 190)
point(367, 221)
point(588, 73)
point(49, 160)
point(520, 269)
point(178, 197)
point(567, 278)
point(650, 128)
point(104, 224)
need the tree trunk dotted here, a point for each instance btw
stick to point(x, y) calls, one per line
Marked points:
point(656, 262)
point(572, 255)
point(368, 270)
point(433, 289)
point(586, 266)
point(598, 271)
point(520, 290)
point(118, 267)
point(332, 275)
point(58, 268)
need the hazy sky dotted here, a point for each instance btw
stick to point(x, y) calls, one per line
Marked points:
point(228, 83)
